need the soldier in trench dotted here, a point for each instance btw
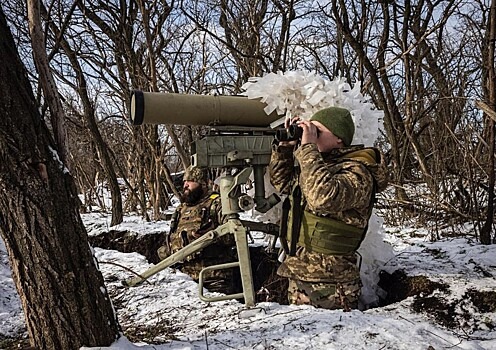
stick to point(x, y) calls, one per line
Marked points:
point(331, 188)
point(199, 212)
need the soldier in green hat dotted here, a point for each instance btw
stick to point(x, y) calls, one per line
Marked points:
point(331, 187)
point(199, 212)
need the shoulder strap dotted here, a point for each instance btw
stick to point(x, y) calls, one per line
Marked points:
point(175, 220)
point(209, 218)
point(212, 198)
point(297, 211)
point(283, 227)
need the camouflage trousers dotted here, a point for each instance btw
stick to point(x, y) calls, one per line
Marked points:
point(325, 295)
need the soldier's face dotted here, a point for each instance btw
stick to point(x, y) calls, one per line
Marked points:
point(326, 140)
point(192, 192)
point(189, 186)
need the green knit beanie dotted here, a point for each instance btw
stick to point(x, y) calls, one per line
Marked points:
point(338, 121)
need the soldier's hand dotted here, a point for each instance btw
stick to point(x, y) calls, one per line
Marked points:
point(310, 132)
point(287, 123)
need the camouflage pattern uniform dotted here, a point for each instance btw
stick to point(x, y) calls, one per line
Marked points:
point(191, 221)
point(338, 186)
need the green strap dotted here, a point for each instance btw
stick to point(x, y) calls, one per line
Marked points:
point(329, 236)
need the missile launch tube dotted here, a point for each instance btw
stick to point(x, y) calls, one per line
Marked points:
point(188, 109)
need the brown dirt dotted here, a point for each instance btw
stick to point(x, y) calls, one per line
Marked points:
point(433, 299)
point(128, 242)
point(484, 301)
point(438, 308)
point(399, 286)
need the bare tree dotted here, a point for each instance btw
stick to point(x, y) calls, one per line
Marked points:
point(89, 114)
point(420, 61)
point(135, 42)
point(256, 33)
point(420, 71)
point(62, 292)
point(46, 78)
point(489, 88)
point(381, 87)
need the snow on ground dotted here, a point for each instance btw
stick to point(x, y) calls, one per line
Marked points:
point(168, 314)
point(11, 317)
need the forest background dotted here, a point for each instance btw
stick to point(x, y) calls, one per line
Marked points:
point(428, 65)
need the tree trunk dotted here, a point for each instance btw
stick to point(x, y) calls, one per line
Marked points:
point(89, 116)
point(63, 295)
point(489, 73)
point(57, 116)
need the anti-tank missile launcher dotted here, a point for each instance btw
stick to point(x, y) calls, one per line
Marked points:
point(187, 109)
point(239, 138)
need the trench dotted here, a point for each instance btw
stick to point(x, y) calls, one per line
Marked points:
point(428, 297)
point(267, 284)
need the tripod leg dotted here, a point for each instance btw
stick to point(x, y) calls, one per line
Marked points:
point(244, 264)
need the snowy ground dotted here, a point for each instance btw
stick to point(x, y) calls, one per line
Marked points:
point(168, 314)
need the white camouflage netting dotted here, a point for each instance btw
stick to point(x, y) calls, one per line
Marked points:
point(302, 93)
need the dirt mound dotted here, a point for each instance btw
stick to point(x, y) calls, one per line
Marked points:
point(435, 300)
point(128, 242)
point(399, 286)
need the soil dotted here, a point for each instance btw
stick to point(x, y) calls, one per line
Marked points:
point(434, 300)
point(484, 301)
point(399, 286)
point(128, 242)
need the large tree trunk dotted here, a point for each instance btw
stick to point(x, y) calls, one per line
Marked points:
point(62, 292)
point(489, 74)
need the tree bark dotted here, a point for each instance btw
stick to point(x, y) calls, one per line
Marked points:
point(89, 116)
point(489, 73)
point(57, 115)
point(63, 295)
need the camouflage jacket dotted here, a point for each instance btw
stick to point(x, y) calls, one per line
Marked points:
point(339, 185)
point(193, 221)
